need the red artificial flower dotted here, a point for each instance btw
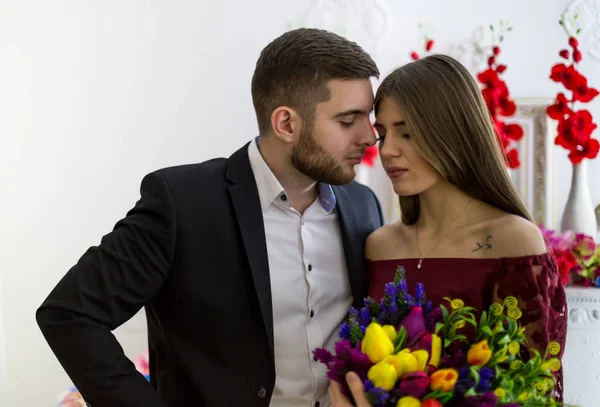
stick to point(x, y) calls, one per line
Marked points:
point(560, 108)
point(512, 159)
point(414, 55)
point(513, 131)
point(501, 68)
point(429, 45)
point(370, 156)
point(565, 261)
point(583, 93)
point(573, 42)
point(575, 130)
point(491, 61)
point(507, 107)
point(588, 150)
point(567, 75)
point(496, 50)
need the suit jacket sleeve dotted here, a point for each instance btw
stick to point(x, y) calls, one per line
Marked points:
point(107, 286)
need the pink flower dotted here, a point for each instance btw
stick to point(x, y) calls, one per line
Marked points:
point(584, 246)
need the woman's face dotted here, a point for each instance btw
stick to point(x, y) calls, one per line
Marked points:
point(409, 172)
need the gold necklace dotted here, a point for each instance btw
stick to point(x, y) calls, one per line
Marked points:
point(440, 239)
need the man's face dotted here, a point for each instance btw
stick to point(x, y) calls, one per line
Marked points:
point(328, 150)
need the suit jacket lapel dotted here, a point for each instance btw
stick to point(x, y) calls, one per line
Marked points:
point(246, 204)
point(352, 246)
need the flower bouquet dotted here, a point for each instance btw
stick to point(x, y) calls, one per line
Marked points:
point(410, 354)
point(577, 257)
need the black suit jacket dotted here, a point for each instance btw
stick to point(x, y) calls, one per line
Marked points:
point(193, 253)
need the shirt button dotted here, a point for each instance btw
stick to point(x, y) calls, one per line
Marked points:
point(312, 314)
point(283, 197)
point(262, 392)
point(310, 267)
point(317, 404)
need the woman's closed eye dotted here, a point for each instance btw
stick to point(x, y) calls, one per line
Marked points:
point(347, 124)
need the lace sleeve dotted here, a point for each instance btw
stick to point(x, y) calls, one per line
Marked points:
point(535, 282)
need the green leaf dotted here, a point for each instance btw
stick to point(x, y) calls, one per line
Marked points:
point(578, 31)
point(486, 330)
point(444, 313)
point(501, 38)
point(561, 22)
point(509, 29)
point(491, 27)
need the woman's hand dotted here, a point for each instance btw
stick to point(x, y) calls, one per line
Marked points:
point(357, 389)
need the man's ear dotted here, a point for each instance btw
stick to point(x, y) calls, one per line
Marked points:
point(286, 124)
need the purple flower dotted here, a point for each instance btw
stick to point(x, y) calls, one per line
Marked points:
point(414, 384)
point(347, 359)
point(414, 323)
point(433, 317)
point(485, 400)
point(323, 355)
point(420, 295)
point(485, 380)
point(344, 331)
point(376, 395)
point(365, 317)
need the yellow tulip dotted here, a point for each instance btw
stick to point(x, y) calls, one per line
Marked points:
point(479, 354)
point(422, 357)
point(436, 350)
point(403, 362)
point(408, 401)
point(376, 344)
point(443, 379)
point(383, 375)
point(390, 332)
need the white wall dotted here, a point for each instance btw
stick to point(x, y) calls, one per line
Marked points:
point(93, 95)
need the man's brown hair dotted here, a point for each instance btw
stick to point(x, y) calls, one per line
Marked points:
point(293, 70)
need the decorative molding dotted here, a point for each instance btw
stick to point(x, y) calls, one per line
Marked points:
point(366, 22)
point(584, 306)
point(471, 52)
point(588, 12)
point(536, 178)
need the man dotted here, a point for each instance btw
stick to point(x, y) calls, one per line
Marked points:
point(244, 265)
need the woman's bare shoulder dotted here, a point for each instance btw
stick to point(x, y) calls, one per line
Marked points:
point(514, 236)
point(385, 241)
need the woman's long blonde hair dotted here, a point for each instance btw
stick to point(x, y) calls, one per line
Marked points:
point(451, 129)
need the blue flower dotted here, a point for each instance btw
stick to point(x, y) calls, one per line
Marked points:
point(376, 395)
point(485, 380)
point(365, 317)
point(598, 281)
point(344, 331)
point(420, 294)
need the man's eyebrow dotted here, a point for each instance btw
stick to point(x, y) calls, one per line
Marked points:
point(350, 112)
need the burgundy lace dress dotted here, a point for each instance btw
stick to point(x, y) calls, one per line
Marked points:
point(533, 280)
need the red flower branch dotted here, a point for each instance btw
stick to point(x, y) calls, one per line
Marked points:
point(499, 102)
point(427, 44)
point(575, 127)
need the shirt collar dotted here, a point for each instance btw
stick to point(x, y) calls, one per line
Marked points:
point(269, 187)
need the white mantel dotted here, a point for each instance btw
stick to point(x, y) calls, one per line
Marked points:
point(581, 361)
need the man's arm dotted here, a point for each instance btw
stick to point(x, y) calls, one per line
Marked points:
point(108, 285)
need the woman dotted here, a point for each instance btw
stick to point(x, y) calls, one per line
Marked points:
point(464, 231)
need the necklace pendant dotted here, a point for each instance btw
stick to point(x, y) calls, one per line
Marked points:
point(420, 264)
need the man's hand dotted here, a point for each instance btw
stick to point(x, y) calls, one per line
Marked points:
point(357, 389)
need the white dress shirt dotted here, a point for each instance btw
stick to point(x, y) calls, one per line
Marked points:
point(310, 288)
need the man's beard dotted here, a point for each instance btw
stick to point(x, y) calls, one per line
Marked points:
point(313, 161)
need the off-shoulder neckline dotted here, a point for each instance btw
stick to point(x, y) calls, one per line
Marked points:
point(518, 259)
